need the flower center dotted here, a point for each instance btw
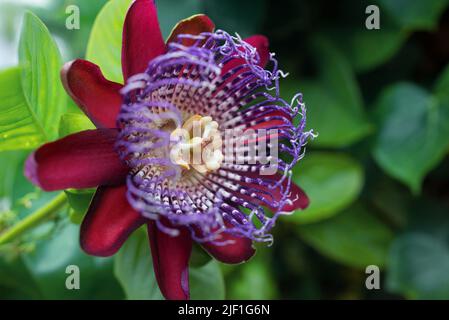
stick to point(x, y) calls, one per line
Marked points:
point(171, 125)
point(197, 144)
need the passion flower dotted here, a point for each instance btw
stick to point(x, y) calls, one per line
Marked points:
point(195, 91)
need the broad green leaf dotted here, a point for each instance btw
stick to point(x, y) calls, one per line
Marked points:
point(415, 14)
point(441, 89)
point(79, 201)
point(418, 265)
point(412, 133)
point(40, 63)
point(9, 165)
point(105, 42)
point(334, 103)
point(74, 122)
point(17, 194)
point(134, 269)
point(362, 48)
point(331, 180)
point(335, 124)
point(21, 185)
point(54, 14)
point(337, 75)
point(253, 279)
point(366, 49)
point(199, 257)
point(389, 197)
point(354, 237)
point(19, 126)
point(206, 282)
point(48, 263)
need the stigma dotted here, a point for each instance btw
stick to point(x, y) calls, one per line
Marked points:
point(197, 144)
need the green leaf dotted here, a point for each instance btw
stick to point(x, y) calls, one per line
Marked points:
point(253, 279)
point(362, 47)
point(19, 128)
point(16, 192)
point(40, 63)
point(441, 89)
point(336, 125)
point(48, 263)
point(334, 102)
point(206, 282)
point(391, 198)
point(79, 201)
point(134, 269)
point(105, 42)
point(418, 265)
point(331, 180)
point(337, 75)
point(415, 14)
point(355, 238)
point(9, 166)
point(366, 49)
point(412, 135)
point(32, 98)
point(199, 257)
point(74, 122)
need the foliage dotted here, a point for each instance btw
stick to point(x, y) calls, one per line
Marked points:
point(377, 175)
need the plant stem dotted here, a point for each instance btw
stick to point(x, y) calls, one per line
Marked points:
point(33, 219)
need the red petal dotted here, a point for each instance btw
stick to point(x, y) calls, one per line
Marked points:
point(142, 38)
point(170, 260)
point(299, 198)
point(194, 25)
point(239, 251)
point(109, 222)
point(81, 160)
point(297, 195)
point(97, 97)
point(273, 123)
point(261, 44)
point(267, 122)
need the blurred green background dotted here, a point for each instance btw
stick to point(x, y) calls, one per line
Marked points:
point(377, 175)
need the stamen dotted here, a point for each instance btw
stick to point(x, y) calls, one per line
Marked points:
point(170, 124)
point(197, 144)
